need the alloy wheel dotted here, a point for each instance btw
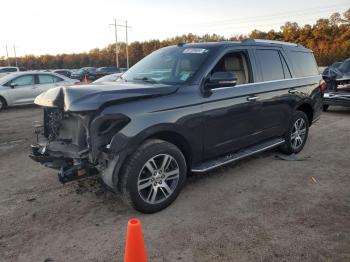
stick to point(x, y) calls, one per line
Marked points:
point(158, 178)
point(298, 133)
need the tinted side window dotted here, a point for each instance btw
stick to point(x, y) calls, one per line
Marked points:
point(10, 70)
point(45, 79)
point(304, 63)
point(270, 63)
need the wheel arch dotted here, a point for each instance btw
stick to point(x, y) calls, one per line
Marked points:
point(176, 139)
point(307, 109)
point(3, 98)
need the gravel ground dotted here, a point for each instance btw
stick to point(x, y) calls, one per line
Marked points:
point(259, 209)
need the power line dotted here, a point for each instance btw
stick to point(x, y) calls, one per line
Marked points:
point(300, 12)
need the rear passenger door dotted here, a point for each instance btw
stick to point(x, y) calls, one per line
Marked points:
point(274, 84)
point(47, 81)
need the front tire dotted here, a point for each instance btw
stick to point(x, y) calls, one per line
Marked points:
point(325, 108)
point(297, 134)
point(2, 104)
point(153, 176)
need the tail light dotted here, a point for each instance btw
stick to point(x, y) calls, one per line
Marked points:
point(323, 86)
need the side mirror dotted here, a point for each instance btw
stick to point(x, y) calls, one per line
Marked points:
point(13, 85)
point(221, 79)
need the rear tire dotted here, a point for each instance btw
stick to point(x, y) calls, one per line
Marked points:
point(325, 108)
point(297, 134)
point(3, 103)
point(153, 176)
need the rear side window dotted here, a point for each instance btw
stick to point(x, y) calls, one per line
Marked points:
point(304, 63)
point(45, 79)
point(270, 64)
point(49, 79)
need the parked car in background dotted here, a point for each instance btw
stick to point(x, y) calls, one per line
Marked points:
point(82, 72)
point(329, 71)
point(184, 108)
point(338, 87)
point(21, 88)
point(102, 71)
point(109, 78)
point(7, 70)
point(64, 72)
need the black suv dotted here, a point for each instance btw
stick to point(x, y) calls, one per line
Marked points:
point(103, 71)
point(82, 73)
point(184, 108)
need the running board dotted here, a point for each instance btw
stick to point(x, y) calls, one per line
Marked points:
point(223, 160)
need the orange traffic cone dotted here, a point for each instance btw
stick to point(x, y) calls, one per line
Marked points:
point(135, 250)
point(85, 80)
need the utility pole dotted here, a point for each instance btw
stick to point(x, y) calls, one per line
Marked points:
point(7, 54)
point(116, 42)
point(127, 44)
point(14, 50)
point(126, 40)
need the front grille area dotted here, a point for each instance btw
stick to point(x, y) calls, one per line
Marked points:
point(52, 122)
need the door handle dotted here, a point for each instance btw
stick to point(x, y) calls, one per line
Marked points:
point(252, 98)
point(292, 91)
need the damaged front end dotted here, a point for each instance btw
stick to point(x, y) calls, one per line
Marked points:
point(62, 143)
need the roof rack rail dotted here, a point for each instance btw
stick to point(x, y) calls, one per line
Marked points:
point(268, 41)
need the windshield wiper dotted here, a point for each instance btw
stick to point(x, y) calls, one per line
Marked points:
point(146, 79)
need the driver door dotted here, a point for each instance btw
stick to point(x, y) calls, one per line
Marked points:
point(22, 89)
point(231, 113)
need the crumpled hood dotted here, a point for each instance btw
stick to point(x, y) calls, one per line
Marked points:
point(93, 96)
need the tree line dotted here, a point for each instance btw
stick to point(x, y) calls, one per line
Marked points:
point(328, 38)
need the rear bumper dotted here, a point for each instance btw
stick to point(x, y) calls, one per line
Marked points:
point(337, 99)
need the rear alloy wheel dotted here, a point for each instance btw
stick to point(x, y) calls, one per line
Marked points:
point(153, 176)
point(297, 134)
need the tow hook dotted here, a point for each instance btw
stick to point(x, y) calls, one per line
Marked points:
point(75, 172)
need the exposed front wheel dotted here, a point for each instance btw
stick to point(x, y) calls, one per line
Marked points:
point(153, 176)
point(2, 103)
point(297, 134)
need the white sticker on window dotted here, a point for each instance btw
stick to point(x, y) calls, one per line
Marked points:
point(195, 51)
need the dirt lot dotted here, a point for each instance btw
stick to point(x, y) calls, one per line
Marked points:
point(260, 209)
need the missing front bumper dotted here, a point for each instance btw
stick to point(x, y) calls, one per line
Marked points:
point(68, 170)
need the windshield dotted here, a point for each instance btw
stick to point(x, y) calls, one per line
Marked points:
point(170, 65)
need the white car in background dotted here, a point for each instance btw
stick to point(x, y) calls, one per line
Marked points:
point(109, 78)
point(5, 70)
point(23, 87)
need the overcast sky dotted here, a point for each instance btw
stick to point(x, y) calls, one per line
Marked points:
point(67, 26)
